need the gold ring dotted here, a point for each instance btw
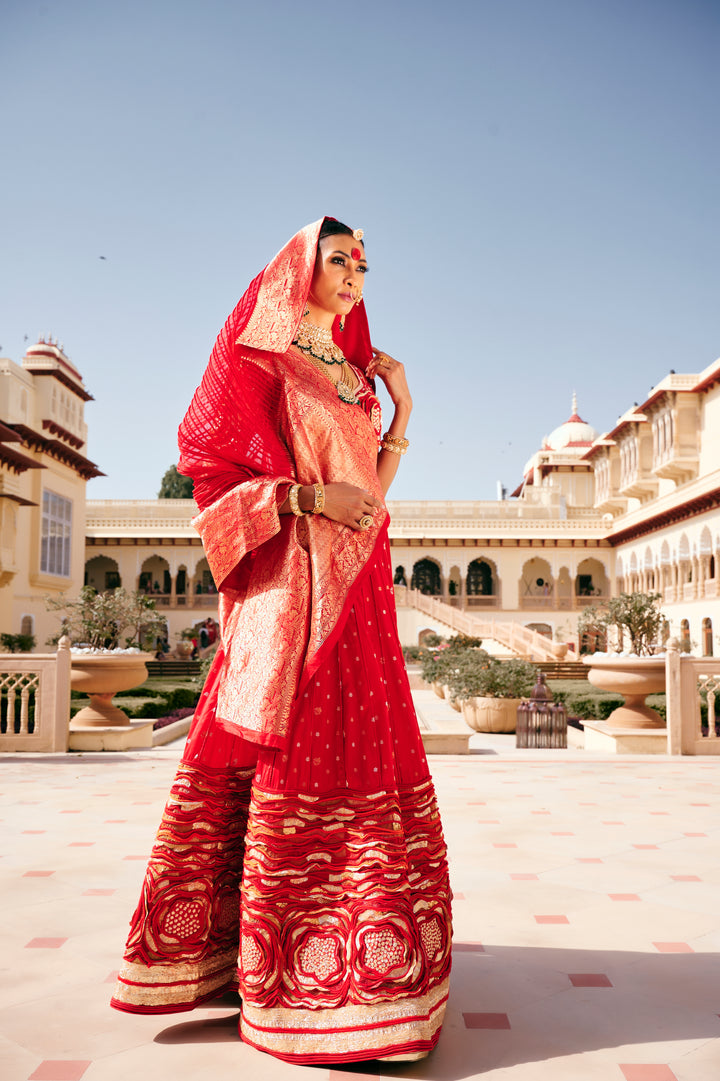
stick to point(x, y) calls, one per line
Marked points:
point(366, 521)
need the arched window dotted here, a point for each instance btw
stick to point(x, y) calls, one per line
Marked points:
point(707, 637)
point(426, 578)
point(479, 579)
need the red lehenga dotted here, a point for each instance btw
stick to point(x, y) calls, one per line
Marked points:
point(300, 857)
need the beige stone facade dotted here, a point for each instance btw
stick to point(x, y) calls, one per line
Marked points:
point(43, 474)
point(635, 508)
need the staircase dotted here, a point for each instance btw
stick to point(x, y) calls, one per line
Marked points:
point(525, 643)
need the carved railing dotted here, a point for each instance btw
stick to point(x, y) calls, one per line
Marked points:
point(518, 639)
point(686, 679)
point(35, 700)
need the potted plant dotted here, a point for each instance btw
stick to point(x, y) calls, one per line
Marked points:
point(634, 620)
point(439, 660)
point(104, 658)
point(491, 691)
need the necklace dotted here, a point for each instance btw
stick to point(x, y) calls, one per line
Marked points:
point(318, 342)
point(318, 346)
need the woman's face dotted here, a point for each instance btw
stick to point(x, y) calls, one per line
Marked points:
point(338, 277)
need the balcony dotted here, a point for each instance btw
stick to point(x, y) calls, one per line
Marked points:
point(677, 467)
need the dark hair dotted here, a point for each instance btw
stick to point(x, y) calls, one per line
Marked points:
point(333, 227)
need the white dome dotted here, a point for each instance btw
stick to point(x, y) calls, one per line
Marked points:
point(575, 432)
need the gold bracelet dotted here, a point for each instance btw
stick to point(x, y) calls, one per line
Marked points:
point(319, 504)
point(393, 449)
point(396, 440)
point(293, 493)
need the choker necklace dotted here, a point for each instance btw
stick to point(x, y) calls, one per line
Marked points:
point(318, 342)
point(318, 345)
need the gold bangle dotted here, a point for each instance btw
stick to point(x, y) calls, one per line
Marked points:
point(396, 440)
point(293, 493)
point(319, 504)
point(392, 449)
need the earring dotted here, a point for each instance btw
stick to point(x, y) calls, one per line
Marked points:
point(306, 312)
point(342, 322)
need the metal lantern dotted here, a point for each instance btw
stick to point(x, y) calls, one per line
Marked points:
point(540, 721)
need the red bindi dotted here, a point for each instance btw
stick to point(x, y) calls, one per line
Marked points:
point(356, 254)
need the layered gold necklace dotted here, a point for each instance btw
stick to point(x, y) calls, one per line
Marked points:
point(317, 344)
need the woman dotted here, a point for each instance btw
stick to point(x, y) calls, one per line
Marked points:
point(301, 832)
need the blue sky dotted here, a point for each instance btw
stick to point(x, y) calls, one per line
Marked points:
point(537, 181)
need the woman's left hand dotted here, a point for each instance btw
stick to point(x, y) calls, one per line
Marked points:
point(392, 373)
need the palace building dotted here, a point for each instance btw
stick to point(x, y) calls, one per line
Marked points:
point(636, 508)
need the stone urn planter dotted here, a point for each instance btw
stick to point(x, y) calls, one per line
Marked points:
point(491, 714)
point(439, 689)
point(634, 678)
point(101, 675)
point(184, 648)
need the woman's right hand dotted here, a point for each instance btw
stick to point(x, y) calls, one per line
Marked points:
point(347, 504)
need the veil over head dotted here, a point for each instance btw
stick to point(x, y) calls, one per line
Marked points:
point(227, 421)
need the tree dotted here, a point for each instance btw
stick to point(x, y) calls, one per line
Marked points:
point(175, 486)
point(636, 614)
point(99, 619)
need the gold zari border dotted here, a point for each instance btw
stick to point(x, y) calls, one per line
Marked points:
point(347, 1030)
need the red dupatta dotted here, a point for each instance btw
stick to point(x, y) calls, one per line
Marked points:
point(262, 419)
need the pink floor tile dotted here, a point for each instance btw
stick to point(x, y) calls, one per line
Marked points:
point(488, 821)
point(645, 848)
point(540, 812)
point(34, 831)
point(458, 896)
point(135, 857)
point(699, 804)
point(45, 943)
point(502, 844)
point(673, 947)
point(589, 979)
point(60, 1070)
point(659, 812)
point(114, 821)
point(686, 878)
point(588, 859)
point(562, 833)
point(524, 878)
point(486, 1020)
point(551, 919)
point(647, 1072)
point(477, 803)
point(71, 812)
point(38, 874)
point(613, 823)
point(81, 844)
point(694, 834)
point(98, 893)
point(623, 897)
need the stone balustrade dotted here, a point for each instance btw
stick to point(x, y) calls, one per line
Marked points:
point(685, 678)
point(35, 700)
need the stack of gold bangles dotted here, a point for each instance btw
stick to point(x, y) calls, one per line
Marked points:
point(318, 505)
point(396, 444)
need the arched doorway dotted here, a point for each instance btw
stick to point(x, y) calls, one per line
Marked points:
point(155, 578)
point(481, 583)
point(426, 578)
point(537, 587)
point(102, 573)
point(591, 582)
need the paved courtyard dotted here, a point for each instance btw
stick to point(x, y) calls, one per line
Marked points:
point(587, 923)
